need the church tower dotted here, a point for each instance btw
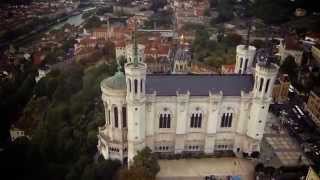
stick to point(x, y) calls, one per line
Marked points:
point(135, 78)
point(244, 59)
point(265, 76)
point(245, 56)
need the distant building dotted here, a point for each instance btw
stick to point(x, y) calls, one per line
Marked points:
point(16, 133)
point(313, 107)
point(281, 88)
point(228, 69)
point(158, 65)
point(290, 46)
point(182, 61)
point(101, 33)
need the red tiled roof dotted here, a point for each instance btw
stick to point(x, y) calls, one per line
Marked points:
point(101, 29)
point(228, 67)
point(156, 49)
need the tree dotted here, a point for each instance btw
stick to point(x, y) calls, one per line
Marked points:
point(134, 173)
point(93, 22)
point(265, 9)
point(233, 39)
point(106, 169)
point(89, 173)
point(147, 160)
point(225, 10)
point(289, 67)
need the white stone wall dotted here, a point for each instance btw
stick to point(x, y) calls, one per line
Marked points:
point(244, 59)
point(249, 112)
point(182, 106)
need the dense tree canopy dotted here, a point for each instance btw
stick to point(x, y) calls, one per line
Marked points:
point(214, 53)
point(65, 137)
point(289, 67)
point(144, 167)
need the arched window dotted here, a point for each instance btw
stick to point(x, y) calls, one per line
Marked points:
point(256, 81)
point(196, 120)
point(115, 112)
point(245, 65)
point(192, 121)
point(124, 117)
point(169, 121)
point(223, 120)
point(267, 85)
point(129, 85)
point(161, 121)
point(109, 121)
point(200, 120)
point(261, 84)
point(141, 85)
point(241, 61)
point(165, 120)
point(226, 120)
point(135, 86)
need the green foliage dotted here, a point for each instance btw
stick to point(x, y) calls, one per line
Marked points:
point(66, 134)
point(214, 53)
point(134, 173)
point(225, 10)
point(266, 9)
point(145, 159)
point(101, 11)
point(160, 19)
point(92, 22)
point(289, 67)
point(47, 85)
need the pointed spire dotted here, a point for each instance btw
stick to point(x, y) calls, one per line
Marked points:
point(135, 48)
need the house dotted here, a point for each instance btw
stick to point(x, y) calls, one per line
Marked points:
point(228, 69)
point(281, 88)
point(290, 46)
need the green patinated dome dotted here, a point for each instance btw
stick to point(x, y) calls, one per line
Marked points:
point(117, 81)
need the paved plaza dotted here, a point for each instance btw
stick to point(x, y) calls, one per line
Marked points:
point(197, 169)
point(278, 148)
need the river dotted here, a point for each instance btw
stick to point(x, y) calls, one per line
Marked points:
point(73, 20)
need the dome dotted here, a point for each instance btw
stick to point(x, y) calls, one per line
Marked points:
point(117, 81)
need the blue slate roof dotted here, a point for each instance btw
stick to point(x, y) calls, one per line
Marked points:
point(199, 85)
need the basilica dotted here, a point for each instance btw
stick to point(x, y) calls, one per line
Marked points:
point(177, 113)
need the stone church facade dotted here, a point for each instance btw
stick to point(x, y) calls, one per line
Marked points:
point(176, 113)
